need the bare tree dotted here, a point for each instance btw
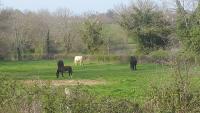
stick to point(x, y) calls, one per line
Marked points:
point(5, 31)
point(19, 39)
point(65, 25)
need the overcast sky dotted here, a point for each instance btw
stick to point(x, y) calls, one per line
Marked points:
point(76, 6)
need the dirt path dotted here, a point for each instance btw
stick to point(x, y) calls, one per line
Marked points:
point(64, 82)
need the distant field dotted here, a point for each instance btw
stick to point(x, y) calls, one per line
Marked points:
point(119, 80)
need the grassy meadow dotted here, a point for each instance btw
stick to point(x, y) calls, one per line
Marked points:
point(120, 81)
point(123, 86)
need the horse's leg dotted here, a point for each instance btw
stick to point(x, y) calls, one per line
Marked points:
point(62, 74)
point(76, 63)
point(69, 74)
point(132, 66)
point(57, 73)
point(135, 67)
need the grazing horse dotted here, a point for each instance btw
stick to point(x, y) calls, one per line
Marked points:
point(78, 59)
point(133, 63)
point(69, 70)
point(61, 69)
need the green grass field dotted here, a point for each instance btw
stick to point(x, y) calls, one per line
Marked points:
point(121, 82)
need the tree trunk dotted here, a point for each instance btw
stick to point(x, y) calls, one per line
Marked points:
point(19, 55)
point(48, 44)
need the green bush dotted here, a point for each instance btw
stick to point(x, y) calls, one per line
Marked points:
point(159, 56)
point(178, 96)
point(15, 97)
point(112, 58)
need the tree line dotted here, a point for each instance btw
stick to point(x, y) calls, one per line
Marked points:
point(148, 25)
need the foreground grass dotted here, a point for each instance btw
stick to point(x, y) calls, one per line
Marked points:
point(120, 81)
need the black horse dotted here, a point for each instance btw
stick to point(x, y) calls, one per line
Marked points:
point(133, 63)
point(61, 69)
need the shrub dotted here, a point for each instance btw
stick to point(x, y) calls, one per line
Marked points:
point(177, 96)
point(18, 98)
point(160, 56)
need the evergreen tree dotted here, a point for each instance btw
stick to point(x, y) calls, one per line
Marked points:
point(48, 43)
point(148, 25)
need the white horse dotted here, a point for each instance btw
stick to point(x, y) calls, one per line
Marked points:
point(78, 60)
